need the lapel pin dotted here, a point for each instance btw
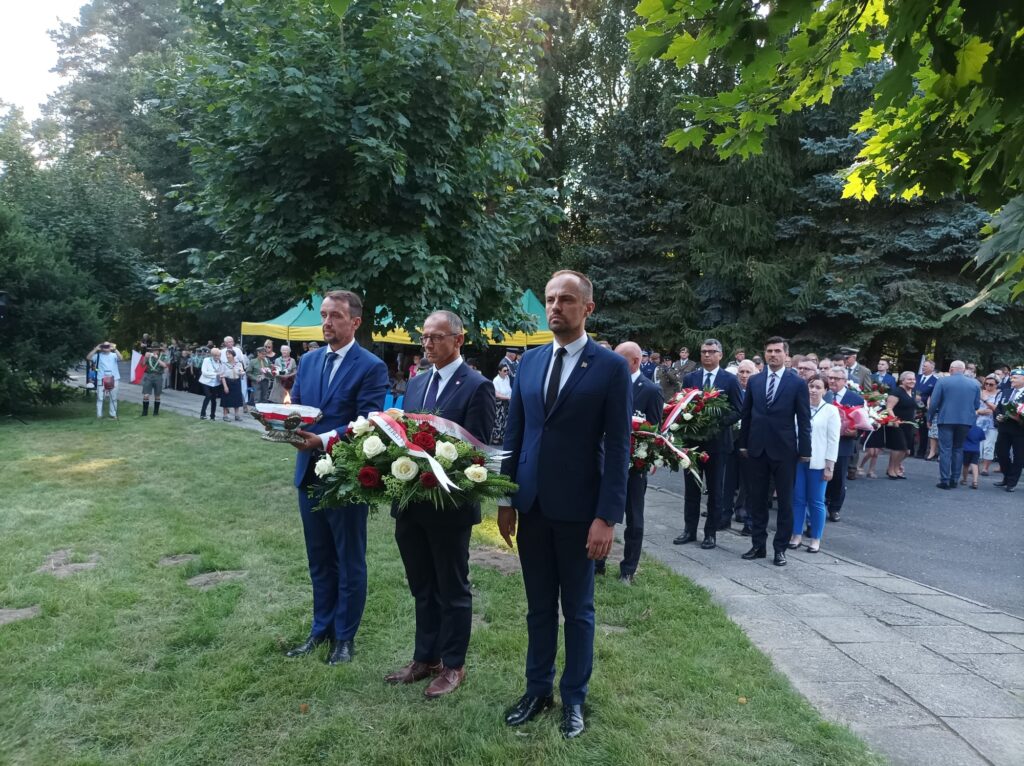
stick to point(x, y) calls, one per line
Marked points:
point(583, 364)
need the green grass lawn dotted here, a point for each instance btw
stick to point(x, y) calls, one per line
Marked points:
point(129, 665)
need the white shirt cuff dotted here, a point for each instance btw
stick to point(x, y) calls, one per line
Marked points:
point(324, 438)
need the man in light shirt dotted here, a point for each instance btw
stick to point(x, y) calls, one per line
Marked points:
point(105, 360)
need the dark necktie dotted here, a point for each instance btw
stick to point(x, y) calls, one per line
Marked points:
point(771, 389)
point(430, 400)
point(707, 380)
point(555, 381)
point(325, 381)
point(830, 397)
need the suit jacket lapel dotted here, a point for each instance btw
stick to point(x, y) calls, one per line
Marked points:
point(454, 382)
point(581, 369)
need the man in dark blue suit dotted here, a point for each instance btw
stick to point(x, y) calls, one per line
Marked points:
point(435, 543)
point(776, 400)
point(883, 377)
point(569, 423)
point(648, 402)
point(718, 448)
point(840, 393)
point(344, 381)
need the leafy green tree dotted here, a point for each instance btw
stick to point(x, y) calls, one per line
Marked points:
point(52, 320)
point(388, 153)
point(947, 116)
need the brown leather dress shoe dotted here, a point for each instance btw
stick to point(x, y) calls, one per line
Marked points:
point(413, 672)
point(446, 682)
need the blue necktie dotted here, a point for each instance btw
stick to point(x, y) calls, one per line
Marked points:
point(325, 379)
point(430, 400)
point(707, 380)
point(771, 389)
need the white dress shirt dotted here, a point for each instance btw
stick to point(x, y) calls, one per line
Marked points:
point(714, 376)
point(339, 357)
point(446, 373)
point(635, 375)
point(778, 380)
point(573, 351)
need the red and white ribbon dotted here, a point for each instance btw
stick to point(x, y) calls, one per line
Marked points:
point(397, 433)
point(679, 407)
point(451, 428)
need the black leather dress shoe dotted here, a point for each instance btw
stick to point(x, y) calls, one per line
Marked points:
point(311, 643)
point(725, 525)
point(709, 542)
point(754, 553)
point(833, 515)
point(572, 721)
point(341, 651)
point(1000, 483)
point(527, 709)
point(1012, 489)
point(780, 559)
point(686, 537)
point(745, 532)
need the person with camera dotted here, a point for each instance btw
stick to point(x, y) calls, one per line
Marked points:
point(104, 360)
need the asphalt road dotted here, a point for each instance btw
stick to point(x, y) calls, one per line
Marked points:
point(968, 542)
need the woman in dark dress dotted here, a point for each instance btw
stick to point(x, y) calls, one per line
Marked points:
point(899, 439)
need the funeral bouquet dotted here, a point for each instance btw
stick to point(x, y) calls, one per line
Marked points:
point(650, 450)
point(876, 394)
point(854, 418)
point(398, 457)
point(694, 415)
point(1011, 410)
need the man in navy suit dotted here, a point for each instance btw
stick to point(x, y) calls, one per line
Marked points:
point(922, 393)
point(776, 399)
point(647, 401)
point(840, 393)
point(718, 448)
point(883, 377)
point(344, 381)
point(435, 543)
point(569, 423)
point(1010, 439)
point(954, 406)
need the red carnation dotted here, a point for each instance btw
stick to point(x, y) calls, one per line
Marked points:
point(424, 441)
point(479, 460)
point(428, 480)
point(369, 477)
point(704, 457)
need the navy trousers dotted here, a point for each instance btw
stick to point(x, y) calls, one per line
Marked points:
point(714, 481)
point(556, 567)
point(633, 535)
point(336, 549)
point(762, 472)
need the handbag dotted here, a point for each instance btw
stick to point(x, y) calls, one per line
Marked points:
point(108, 382)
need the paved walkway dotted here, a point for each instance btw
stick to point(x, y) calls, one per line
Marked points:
point(926, 677)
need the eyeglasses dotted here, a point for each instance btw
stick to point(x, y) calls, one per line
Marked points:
point(710, 351)
point(425, 339)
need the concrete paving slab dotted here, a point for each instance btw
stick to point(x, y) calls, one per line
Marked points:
point(874, 703)
point(1004, 670)
point(852, 592)
point(945, 604)
point(902, 613)
point(1001, 740)
point(771, 583)
point(853, 630)
point(891, 584)
point(816, 665)
point(908, 657)
point(1013, 639)
point(718, 585)
point(847, 569)
point(815, 605)
point(991, 622)
point(966, 696)
point(777, 634)
point(950, 639)
point(904, 746)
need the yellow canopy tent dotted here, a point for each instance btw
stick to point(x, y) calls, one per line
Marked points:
point(302, 323)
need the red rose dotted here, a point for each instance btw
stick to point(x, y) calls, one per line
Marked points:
point(428, 480)
point(698, 407)
point(479, 461)
point(424, 441)
point(636, 425)
point(639, 464)
point(331, 442)
point(426, 428)
point(369, 477)
point(704, 457)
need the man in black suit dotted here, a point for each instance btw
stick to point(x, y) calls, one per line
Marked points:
point(840, 393)
point(718, 448)
point(1010, 438)
point(647, 401)
point(737, 493)
point(776, 398)
point(435, 544)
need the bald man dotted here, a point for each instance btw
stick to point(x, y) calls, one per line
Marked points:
point(647, 401)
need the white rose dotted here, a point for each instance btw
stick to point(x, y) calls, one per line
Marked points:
point(373, 446)
point(324, 467)
point(361, 426)
point(446, 450)
point(687, 416)
point(641, 452)
point(674, 427)
point(476, 473)
point(684, 462)
point(404, 469)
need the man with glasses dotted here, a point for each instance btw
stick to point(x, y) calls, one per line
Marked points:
point(839, 393)
point(806, 369)
point(435, 544)
point(718, 447)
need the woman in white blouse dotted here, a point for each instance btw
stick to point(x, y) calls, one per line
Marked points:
point(502, 393)
point(212, 381)
point(812, 477)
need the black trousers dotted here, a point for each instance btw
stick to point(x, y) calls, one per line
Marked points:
point(763, 470)
point(922, 437)
point(714, 480)
point(211, 394)
point(1010, 454)
point(835, 490)
point(633, 535)
point(436, 559)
